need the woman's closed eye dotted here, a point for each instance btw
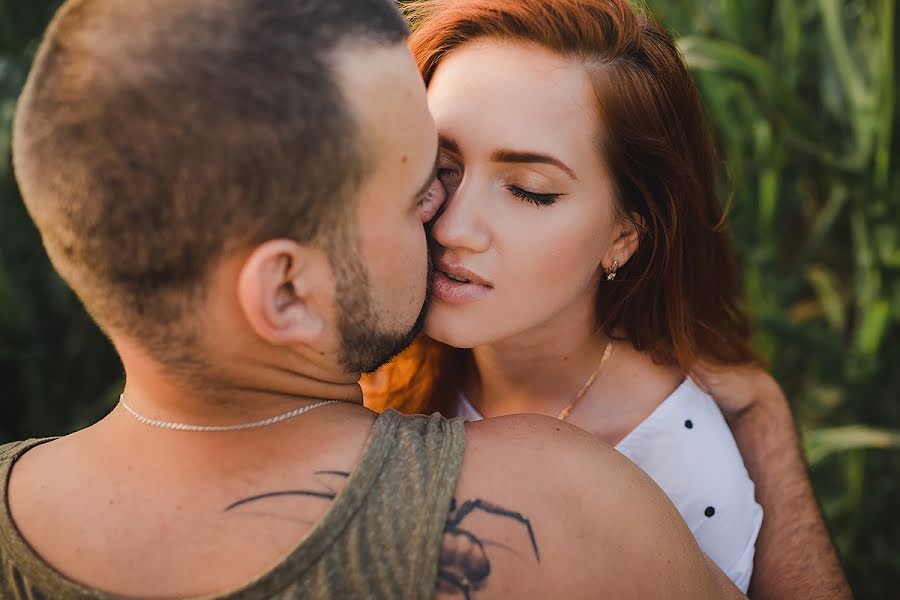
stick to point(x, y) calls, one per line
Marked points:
point(450, 175)
point(533, 197)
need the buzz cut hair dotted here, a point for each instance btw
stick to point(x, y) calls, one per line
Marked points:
point(154, 137)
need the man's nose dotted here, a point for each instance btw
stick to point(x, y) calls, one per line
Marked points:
point(432, 202)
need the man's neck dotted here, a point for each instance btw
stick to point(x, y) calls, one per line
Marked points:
point(242, 391)
point(156, 519)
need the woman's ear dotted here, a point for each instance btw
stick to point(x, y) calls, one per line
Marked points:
point(276, 292)
point(626, 242)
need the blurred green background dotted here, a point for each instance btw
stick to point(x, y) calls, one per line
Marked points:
point(804, 98)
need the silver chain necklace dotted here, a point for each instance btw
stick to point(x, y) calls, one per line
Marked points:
point(187, 427)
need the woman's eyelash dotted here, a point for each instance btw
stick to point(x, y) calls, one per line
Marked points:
point(533, 197)
point(445, 173)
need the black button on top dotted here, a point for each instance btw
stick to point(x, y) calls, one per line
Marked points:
point(710, 511)
point(689, 424)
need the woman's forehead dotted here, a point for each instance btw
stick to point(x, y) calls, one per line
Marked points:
point(514, 96)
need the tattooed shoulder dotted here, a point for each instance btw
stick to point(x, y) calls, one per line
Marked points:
point(329, 493)
point(464, 562)
point(464, 566)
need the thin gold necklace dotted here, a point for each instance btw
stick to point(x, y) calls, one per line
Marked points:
point(564, 414)
point(240, 427)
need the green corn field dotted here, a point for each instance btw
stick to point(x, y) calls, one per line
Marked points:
point(803, 97)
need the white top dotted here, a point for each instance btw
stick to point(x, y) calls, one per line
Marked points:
point(685, 445)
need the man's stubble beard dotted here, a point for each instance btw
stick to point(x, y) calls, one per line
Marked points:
point(365, 345)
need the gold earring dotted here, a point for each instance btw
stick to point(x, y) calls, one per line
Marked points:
point(611, 271)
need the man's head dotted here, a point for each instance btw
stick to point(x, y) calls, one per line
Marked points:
point(238, 166)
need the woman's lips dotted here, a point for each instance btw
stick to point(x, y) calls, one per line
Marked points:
point(456, 292)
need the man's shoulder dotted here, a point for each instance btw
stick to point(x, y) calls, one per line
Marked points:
point(12, 451)
point(549, 467)
point(566, 514)
point(545, 445)
point(13, 551)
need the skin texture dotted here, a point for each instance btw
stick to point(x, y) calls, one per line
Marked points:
point(532, 332)
point(180, 514)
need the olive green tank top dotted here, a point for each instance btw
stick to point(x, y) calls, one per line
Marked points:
point(380, 537)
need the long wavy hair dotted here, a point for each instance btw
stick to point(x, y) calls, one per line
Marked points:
point(679, 296)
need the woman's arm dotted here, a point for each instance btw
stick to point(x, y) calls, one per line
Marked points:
point(794, 554)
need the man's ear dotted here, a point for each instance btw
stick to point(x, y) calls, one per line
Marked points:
point(277, 289)
point(626, 243)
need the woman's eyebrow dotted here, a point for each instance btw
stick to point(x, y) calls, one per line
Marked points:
point(512, 156)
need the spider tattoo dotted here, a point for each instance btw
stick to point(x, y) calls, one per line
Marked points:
point(464, 566)
point(463, 563)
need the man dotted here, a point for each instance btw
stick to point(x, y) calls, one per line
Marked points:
point(235, 191)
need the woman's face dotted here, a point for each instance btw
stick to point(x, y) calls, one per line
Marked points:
point(530, 213)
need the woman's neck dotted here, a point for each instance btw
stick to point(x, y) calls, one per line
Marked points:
point(538, 371)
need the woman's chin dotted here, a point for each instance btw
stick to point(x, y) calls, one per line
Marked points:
point(451, 331)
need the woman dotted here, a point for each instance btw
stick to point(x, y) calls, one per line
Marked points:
point(582, 262)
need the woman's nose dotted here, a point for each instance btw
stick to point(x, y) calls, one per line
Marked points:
point(460, 224)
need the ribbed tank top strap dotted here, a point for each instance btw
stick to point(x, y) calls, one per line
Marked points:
point(398, 533)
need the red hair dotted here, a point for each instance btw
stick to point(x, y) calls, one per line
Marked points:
point(679, 296)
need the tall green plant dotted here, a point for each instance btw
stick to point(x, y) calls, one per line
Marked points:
point(803, 97)
point(56, 368)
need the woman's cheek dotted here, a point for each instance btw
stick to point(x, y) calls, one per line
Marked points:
point(552, 269)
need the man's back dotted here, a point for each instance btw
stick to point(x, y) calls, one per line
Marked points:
point(177, 536)
point(528, 516)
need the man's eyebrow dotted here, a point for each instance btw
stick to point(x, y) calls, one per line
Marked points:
point(511, 156)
